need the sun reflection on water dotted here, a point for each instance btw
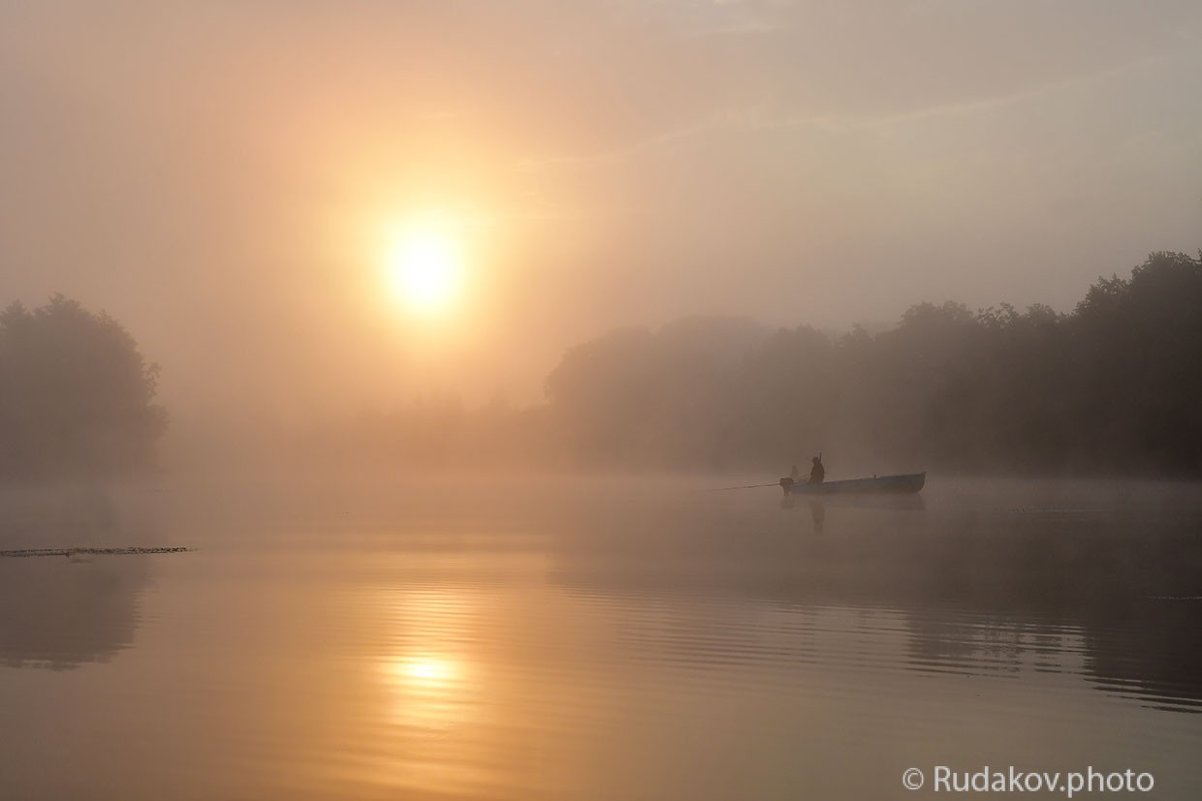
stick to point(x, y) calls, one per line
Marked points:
point(426, 692)
point(427, 670)
point(449, 720)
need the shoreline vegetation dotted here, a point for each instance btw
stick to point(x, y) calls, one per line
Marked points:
point(1112, 388)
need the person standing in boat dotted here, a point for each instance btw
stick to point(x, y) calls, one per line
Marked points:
point(817, 472)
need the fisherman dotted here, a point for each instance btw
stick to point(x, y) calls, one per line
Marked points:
point(817, 472)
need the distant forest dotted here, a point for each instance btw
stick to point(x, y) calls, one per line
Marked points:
point(76, 396)
point(1115, 386)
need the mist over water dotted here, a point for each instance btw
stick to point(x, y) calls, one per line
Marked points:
point(393, 397)
point(603, 639)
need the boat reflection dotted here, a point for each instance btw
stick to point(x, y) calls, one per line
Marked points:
point(817, 506)
point(818, 515)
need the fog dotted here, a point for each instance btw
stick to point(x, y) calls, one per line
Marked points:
point(395, 398)
point(220, 178)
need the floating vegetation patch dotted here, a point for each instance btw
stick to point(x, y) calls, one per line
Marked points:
point(70, 552)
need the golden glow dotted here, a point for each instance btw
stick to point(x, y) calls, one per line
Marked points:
point(425, 265)
point(426, 692)
point(427, 671)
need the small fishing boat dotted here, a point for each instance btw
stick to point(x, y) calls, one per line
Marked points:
point(908, 483)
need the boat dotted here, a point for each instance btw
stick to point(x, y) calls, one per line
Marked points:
point(905, 484)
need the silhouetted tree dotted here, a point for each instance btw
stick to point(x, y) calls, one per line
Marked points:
point(1138, 343)
point(76, 396)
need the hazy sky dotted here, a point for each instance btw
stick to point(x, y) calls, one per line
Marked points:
point(220, 176)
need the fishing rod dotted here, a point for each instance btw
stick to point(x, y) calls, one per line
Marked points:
point(743, 486)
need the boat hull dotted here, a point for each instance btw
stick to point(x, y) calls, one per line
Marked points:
point(906, 484)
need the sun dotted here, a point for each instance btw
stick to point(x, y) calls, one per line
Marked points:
point(425, 267)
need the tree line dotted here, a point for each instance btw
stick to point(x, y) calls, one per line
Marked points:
point(1113, 386)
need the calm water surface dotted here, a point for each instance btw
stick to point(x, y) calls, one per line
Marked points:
point(606, 641)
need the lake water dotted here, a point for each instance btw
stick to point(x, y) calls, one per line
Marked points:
point(607, 640)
